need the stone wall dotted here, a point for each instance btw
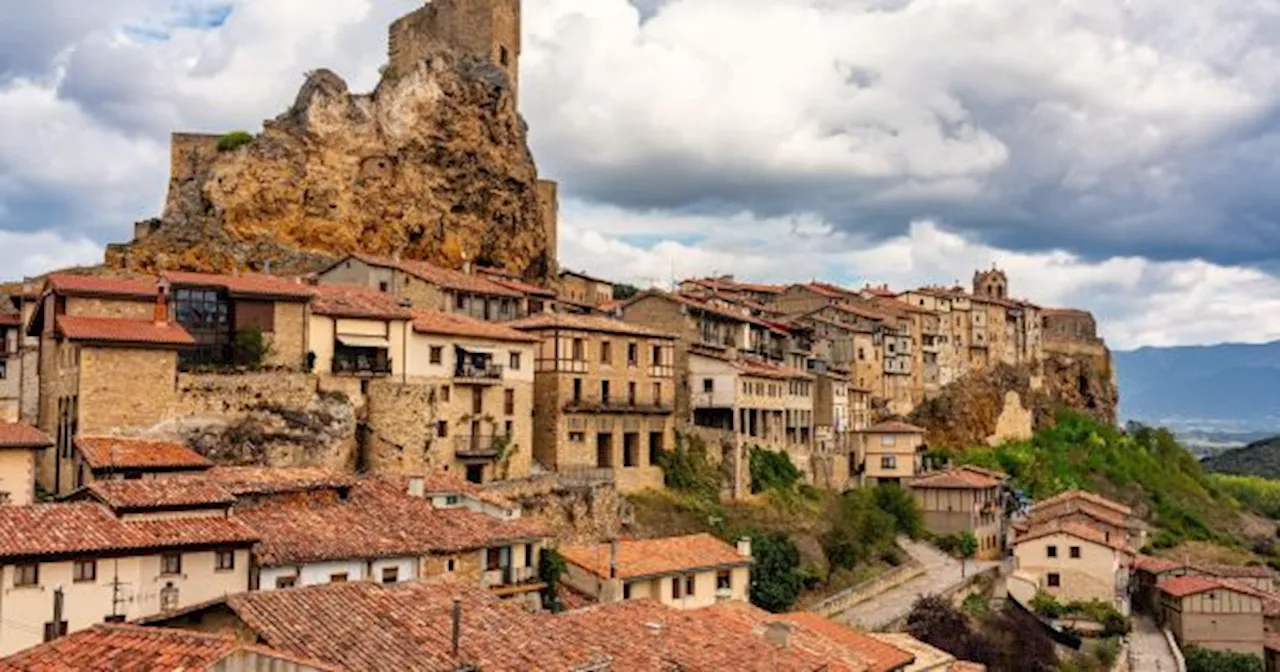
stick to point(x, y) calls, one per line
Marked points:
point(575, 514)
point(400, 433)
point(483, 29)
point(125, 387)
point(288, 335)
point(1014, 421)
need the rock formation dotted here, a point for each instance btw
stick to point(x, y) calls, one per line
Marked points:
point(432, 165)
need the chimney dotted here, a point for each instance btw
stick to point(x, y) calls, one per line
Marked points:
point(778, 633)
point(395, 256)
point(417, 486)
point(613, 558)
point(161, 315)
point(457, 626)
point(468, 267)
point(744, 547)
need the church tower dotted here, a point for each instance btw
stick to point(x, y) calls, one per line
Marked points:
point(991, 284)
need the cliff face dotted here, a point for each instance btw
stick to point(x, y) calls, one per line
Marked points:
point(432, 165)
point(979, 409)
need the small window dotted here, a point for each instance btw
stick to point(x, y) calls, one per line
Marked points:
point(225, 561)
point(528, 555)
point(1052, 551)
point(384, 286)
point(657, 394)
point(631, 393)
point(657, 355)
point(442, 428)
point(451, 500)
point(444, 394)
point(504, 57)
point(1075, 552)
point(437, 354)
point(577, 390)
point(626, 591)
point(338, 577)
point(509, 428)
point(286, 581)
point(26, 575)
point(514, 361)
point(509, 402)
point(84, 571)
point(390, 574)
point(708, 385)
point(577, 437)
point(606, 352)
point(579, 351)
point(633, 355)
point(1055, 581)
point(604, 391)
point(690, 586)
point(450, 565)
point(724, 580)
point(888, 462)
point(171, 563)
point(676, 584)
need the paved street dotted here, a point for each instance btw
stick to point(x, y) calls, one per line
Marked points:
point(1148, 649)
point(941, 573)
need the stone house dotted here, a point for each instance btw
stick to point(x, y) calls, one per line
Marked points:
point(746, 398)
point(686, 572)
point(1149, 572)
point(21, 382)
point(603, 397)
point(482, 378)
point(426, 286)
point(108, 362)
point(888, 453)
point(1213, 614)
point(11, 338)
point(1112, 518)
point(583, 289)
point(964, 499)
point(540, 299)
point(218, 309)
point(726, 287)
point(1072, 560)
point(20, 448)
point(105, 458)
point(358, 333)
point(108, 567)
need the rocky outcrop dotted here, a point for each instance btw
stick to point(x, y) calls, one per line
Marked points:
point(432, 165)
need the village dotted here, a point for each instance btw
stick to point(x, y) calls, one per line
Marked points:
point(388, 463)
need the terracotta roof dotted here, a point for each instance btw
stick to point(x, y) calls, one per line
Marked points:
point(880, 656)
point(1156, 565)
point(435, 322)
point(277, 480)
point(121, 330)
point(713, 309)
point(1082, 507)
point(357, 303)
point(594, 323)
point(160, 493)
point(40, 530)
point(366, 626)
point(10, 319)
point(515, 284)
point(893, 427)
point(22, 435)
point(249, 284)
point(733, 285)
point(962, 478)
point(859, 310)
point(1076, 529)
point(927, 657)
point(135, 648)
point(441, 277)
point(105, 452)
point(1086, 496)
point(1182, 586)
point(100, 285)
point(655, 557)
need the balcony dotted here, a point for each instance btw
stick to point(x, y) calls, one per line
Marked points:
point(478, 447)
point(478, 373)
point(511, 580)
point(614, 405)
point(361, 365)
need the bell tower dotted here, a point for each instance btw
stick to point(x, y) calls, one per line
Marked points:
point(991, 284)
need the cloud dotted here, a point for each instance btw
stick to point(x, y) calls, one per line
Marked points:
point(30, 254)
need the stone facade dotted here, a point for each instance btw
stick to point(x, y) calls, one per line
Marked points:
point(488, 30)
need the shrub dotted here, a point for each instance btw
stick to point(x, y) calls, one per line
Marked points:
point(899, 503)
point(776, 578)
point(975, 605)
point(858, 530)
point(1210, 660)
point(1045, 605)
point(687, 469)
point(1108, 652)
point(948, 543)
point(551, 566)
point(772, 470)
point(251, 347)
point(233, 140)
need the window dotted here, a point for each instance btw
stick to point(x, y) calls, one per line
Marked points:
point(577, 390)
point(338, 577)
point(509, 402)
point(657, 355)
point(444, 394)
point(286, 581)
point(384, 286)
point(723, 580)
point(442, 428)
point(390, 574)
point(1052, 551)
point(676, 585)
point(84, 570)
point(604, 391)
point(689, 586)
point(606, 352)
point(450, 565)
point(1075, 552)
point(514, 361)
point(657, 394)
point(626, 591)
point(26, 575)
point(633, 354)
point(206, 314)
point(452, 500)
point(888, 440)
point(493, 559)
point(579, 352)
point(168, 597)
point(888, 462)
point(528, 555)
point(171, 563)
point(437, 354)
point(508, 428)
point(708, 385)
point(1055, 581)
point(577, 437)
point(225, 561)
point(3, 369)
point(459, 302)
point(631, 393)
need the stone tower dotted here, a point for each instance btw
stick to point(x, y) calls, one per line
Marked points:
point(485, 29)
point(992, 284)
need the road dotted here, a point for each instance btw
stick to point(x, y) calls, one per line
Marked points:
point(1148, 648)
point(942, 572)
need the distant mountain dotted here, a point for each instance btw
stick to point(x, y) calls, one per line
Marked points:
point(1215, 389)
point(1260, 458)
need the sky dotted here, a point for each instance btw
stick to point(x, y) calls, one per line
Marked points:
point(1115, 156)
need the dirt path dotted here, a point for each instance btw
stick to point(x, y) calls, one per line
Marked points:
point(1148, 648)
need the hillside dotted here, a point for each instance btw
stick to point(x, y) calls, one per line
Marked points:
point(1260, 458)
point(1220, 387)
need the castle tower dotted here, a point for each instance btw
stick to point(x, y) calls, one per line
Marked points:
point(485, 29)
point(992, 284)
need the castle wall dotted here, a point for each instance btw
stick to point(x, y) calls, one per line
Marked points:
point(485, 29)
point(190, 155)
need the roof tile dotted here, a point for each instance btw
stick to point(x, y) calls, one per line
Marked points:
point(961, 478)
point(106, 452)
point(121, 330)
point(22, 435)
point(101, 285)
point(160, 493)
point(249, 284)
point(595, 323)
point(38, 530)
point(655, 557)
point(358, 303)
point(449, 324)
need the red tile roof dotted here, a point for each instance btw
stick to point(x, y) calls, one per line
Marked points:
point(441, 277)
point(1156, 565)
point(247, 285)
point(41, 530)
point(10, 319)
point(713, 309)
point(277, 480)
point(733, 285)
point(515, 284)
point(366, 626)
point(119, 452)
point(448, 324)
point(894, 427)
point(879, 656)
point(358, 303)
point(596, 323)
point(1076, 529)
point(120, 330)
point(99, 285)
point(656, 557)
point(135, 648)
point(160, 494)
point(22, 435)
point(1085, 496)
point(960, 478)
point(1182, 586)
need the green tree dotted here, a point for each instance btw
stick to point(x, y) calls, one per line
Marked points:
point(233, 140)
point(622, 291)
point(772, 470)
point(968, 547)
point(551, 567)
point(858, 531)
point(776, 579)
point(251, 347)
point(1210, 660)
point(687, 469)
point(899, 503)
